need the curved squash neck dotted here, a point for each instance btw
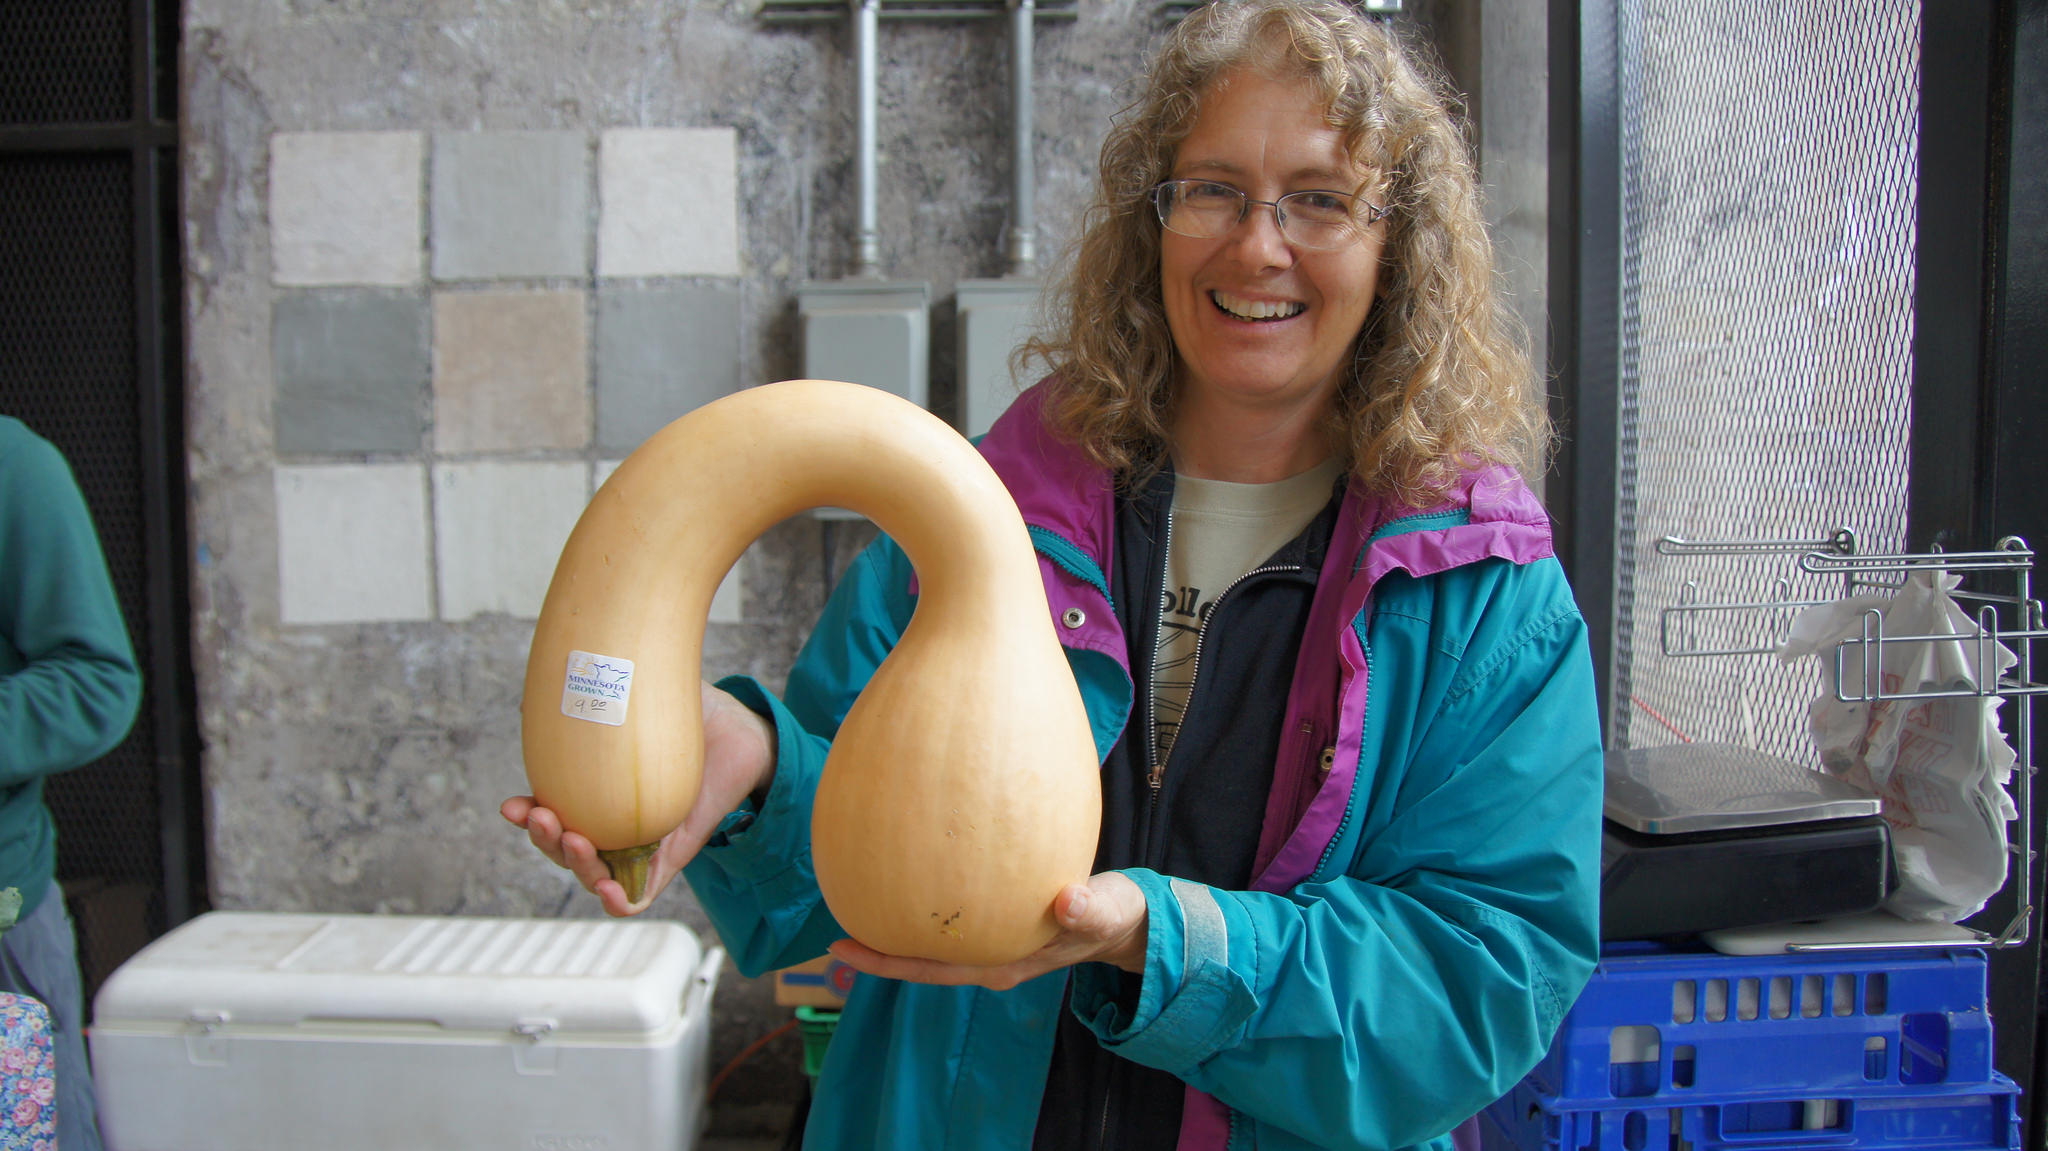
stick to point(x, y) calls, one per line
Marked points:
point(928, 489)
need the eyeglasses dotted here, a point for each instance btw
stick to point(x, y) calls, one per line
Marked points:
point(1205, 209)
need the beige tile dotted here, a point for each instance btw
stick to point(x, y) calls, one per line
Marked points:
point(510, 371)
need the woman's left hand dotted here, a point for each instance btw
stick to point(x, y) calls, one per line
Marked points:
point(1103, 921)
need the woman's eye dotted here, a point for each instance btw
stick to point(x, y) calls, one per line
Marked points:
point(1201, 191)
point(1321, 203)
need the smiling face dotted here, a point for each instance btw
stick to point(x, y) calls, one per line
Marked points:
point(1263, 326)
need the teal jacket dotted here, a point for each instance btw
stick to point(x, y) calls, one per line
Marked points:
point(69, 687)
point(1402, 960)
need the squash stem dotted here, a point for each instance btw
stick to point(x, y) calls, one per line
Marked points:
point(629, 866)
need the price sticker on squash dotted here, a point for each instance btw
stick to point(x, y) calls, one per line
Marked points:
point(597, 687)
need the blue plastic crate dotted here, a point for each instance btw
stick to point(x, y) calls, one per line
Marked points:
point(1980, 1118)
point(1674, 1028)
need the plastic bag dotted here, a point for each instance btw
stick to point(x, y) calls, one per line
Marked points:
point(1940, 765)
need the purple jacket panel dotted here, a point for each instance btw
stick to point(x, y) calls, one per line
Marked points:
point(1058, 489)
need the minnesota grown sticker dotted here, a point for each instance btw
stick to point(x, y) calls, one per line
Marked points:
point(597, 687)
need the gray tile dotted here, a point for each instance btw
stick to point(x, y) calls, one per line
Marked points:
point(510, 204)
point(662, 352)
point(351, 372)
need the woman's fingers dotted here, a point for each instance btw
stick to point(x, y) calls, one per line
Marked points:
point(515, 810)
point(1107, 917)
point(739, 756)
point(566, 849)
point(544, 828)
point(1105, 921)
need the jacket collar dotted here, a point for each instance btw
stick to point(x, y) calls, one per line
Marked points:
point(1490, 513)
point(1056, 486)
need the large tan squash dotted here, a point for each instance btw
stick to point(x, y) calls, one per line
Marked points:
point(961, 793)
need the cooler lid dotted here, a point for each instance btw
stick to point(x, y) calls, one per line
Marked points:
point(455, 973)
point(1692, 787)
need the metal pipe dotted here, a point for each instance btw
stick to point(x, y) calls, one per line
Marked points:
point(867, 257)
point(1022, 239)
point(819, 11)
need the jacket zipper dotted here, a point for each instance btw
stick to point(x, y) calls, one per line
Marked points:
point(1330, 756)
point(1155, 769)
point(1156, 777)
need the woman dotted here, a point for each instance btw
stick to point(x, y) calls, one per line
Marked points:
point(1351, 777)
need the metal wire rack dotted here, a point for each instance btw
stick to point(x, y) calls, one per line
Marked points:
point(2007, 614)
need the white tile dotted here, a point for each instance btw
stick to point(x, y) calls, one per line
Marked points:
point(352, 543)
point(345, 207)
point(668, 202)
point(727, 605)
point(498, 530)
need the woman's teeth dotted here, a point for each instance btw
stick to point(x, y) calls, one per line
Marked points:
point(1245, 309)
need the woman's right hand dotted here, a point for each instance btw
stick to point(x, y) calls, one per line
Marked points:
point(739, 758)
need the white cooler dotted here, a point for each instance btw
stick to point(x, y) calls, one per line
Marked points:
point(253, 1031)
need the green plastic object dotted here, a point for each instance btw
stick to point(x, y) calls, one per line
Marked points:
point(815, 1024)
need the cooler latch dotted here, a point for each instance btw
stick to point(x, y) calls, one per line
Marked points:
point(205, 1046)
point(535, 1056)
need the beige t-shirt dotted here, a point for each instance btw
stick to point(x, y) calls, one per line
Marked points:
point(1220, 532)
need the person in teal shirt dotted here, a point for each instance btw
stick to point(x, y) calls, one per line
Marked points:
point(69, 691)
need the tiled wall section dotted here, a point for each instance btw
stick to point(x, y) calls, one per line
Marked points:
point(505, 313)
point(510, 371)
point(498, 528)
point(662, 191)
point(352, 543)
point(662, 351)
point(345, 207)
point(511, 204)
point(351, 372)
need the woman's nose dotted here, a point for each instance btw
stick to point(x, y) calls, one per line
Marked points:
point(1258, 234)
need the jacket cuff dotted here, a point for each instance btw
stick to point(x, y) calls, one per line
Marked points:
point(771, 848)
point(1189, 1002)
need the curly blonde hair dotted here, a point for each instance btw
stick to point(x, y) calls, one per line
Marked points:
point(1439, 378)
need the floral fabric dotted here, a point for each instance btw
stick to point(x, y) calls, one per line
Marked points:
point(28, 1076)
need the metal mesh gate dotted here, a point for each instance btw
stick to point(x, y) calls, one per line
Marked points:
point(1768, 158)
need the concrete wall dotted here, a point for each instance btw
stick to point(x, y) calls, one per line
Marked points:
point(431, 303)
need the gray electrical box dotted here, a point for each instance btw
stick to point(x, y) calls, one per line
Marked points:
point(873, 332)
point(995, 317)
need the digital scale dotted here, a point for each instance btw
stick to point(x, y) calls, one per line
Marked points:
point(1709, 836)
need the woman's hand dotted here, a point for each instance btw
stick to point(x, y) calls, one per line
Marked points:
point(739, 757)
point(1103, 921)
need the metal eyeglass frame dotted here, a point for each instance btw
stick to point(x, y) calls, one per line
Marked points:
point(1162, 190)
